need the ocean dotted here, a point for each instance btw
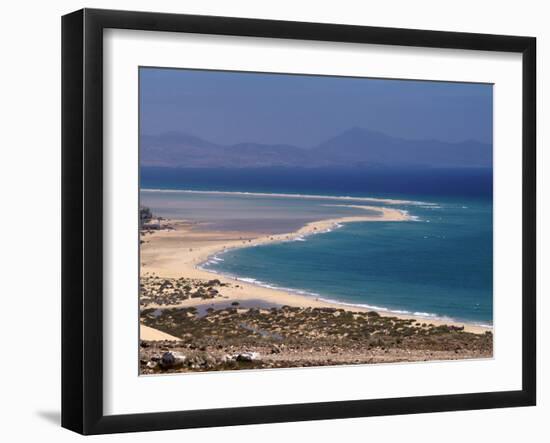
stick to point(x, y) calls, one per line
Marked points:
point(439, 264)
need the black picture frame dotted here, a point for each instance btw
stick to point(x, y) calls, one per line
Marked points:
point(82, 218)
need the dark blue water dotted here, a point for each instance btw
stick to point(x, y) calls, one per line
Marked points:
point(475, 183)
point(440, 265)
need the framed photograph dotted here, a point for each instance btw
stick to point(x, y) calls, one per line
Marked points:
point(268, 221)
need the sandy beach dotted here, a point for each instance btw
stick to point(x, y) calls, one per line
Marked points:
point(151, 334)
point(178, 253)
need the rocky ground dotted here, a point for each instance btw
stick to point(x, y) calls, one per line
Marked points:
point(248, 338)
point(171, 291)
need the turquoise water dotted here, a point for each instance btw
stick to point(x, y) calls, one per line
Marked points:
point(438, 265)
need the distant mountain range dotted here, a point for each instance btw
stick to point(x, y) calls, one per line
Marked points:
point(356, 147)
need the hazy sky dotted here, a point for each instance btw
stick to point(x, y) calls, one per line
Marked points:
point(228, 107)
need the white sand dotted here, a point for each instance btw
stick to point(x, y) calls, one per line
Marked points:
point(151, 334)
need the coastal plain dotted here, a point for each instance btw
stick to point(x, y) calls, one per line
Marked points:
point(195, 320)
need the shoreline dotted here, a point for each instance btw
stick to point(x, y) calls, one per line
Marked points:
point(349, 306)
point(181, 252)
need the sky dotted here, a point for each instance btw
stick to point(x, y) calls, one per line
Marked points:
point(303, 110)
